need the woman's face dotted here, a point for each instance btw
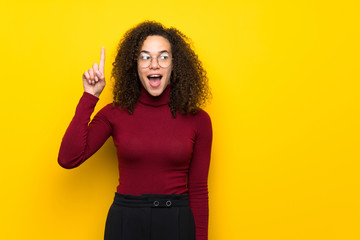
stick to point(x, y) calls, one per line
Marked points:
point(155, 77)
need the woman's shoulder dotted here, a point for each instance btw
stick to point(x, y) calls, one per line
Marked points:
point(200, 119)
point(202, 115)
point(111, 109)
point(202, 123)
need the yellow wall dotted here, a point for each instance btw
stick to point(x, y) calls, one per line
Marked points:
point(285, 112)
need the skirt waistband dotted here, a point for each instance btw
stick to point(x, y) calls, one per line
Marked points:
point(152, 200)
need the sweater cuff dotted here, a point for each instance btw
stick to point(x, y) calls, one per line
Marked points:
point(86, 104)
point(90, 97)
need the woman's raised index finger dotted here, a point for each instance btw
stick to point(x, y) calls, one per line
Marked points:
point(102, 59)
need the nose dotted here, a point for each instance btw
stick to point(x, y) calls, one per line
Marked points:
point(154, 63)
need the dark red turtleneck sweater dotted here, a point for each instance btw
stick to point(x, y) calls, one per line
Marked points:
point(157, 153)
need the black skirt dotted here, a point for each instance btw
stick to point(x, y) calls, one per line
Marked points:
point(150, 217)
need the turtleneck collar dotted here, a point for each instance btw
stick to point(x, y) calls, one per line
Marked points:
point(147, 99)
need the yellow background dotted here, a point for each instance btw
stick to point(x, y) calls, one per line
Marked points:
point(285, 114)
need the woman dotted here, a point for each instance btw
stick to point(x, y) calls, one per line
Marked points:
point(162, 136)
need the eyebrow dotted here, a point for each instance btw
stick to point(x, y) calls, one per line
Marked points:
point(159, 51)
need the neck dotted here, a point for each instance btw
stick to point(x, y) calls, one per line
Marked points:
point(161, 100)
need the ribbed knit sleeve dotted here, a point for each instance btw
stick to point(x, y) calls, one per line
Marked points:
point(198, 175)
point(81, 139)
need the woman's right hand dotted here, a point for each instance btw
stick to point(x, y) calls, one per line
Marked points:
point(94, 78)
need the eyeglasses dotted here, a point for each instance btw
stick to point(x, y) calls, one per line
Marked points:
point(164, 60)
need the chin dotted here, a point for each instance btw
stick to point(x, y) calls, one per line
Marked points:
point(155, 92)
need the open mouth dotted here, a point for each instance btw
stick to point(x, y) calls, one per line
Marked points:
point(154, 79)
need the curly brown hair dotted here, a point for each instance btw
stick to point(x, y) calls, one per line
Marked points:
point(189, 82)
